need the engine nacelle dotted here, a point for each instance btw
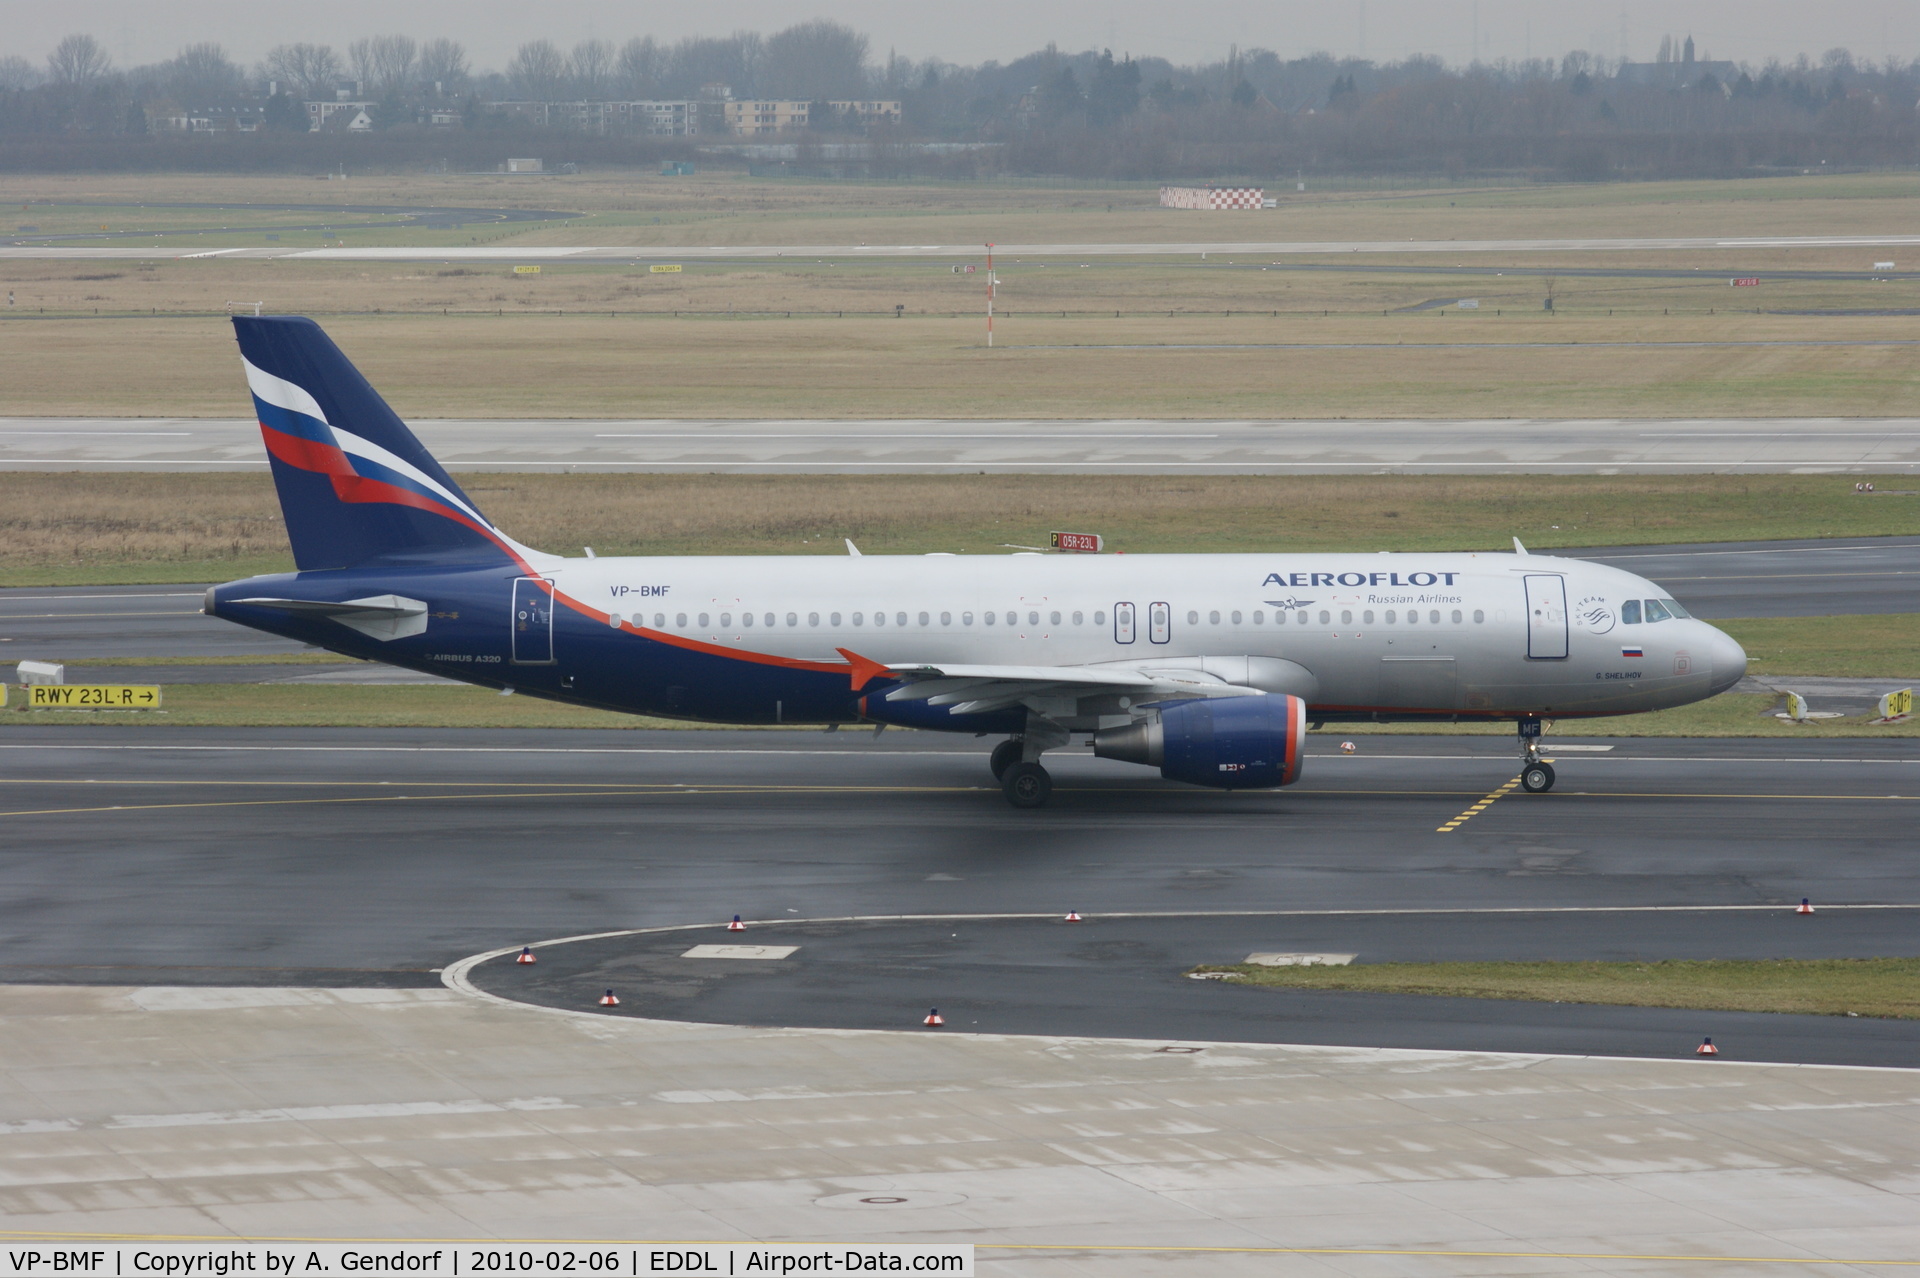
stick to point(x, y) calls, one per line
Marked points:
point(1230, 743)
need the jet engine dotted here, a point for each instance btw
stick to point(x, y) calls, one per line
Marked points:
point(1230, 743)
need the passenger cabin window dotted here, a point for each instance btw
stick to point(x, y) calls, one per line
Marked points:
point(966, 619)
point(703, 621)
point(1478, 616)
point(1630, 613)
point(1656, 612)
point(1079, 618)
point(1390, 617)
point(1259, 617)
point(1367, 617)
point(680, 620)
point(746, 619)
point(992, 618)
point(1213, 618)
point(1193, 618)
point(1236, 618)
point(833, 620)
point(879, 618)
point(925, 619)
point(946, 619)
point(813, 619)
point(793, 621)
point(1456, 616)
point(1013, 619)
point(1326, 618)
point(726, 621)
point(1100, 618)
point(1346, 617)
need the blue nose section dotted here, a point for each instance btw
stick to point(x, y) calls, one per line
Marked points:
point(1729, 661)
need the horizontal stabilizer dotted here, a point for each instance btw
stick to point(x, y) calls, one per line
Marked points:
point(377, 616)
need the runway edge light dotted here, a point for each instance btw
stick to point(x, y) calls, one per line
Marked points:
point(934, 1019)
point(608, 1000)
point(526, 955)
point(736, 925)
point(1805, 906)
point(1706, 1048)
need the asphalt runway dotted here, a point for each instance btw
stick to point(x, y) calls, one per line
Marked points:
point(1594, 446)
point(1005, 252)
point(405, 215)
point(138, 856)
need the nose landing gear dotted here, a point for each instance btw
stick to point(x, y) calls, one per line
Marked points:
point(1536, 774)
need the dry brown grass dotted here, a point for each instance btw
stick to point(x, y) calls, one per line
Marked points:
point(545, 366)
point(75, 527)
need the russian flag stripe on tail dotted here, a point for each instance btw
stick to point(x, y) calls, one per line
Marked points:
point(355, 486)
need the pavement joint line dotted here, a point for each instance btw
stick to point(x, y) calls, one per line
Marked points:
point(69, 1235)
point(1479, 807)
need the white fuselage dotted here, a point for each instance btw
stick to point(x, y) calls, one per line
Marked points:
point(1380, 635)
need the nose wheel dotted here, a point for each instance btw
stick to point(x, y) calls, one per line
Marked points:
point(1536, 774)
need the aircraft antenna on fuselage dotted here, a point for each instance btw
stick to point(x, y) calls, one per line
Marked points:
point(1518, 549)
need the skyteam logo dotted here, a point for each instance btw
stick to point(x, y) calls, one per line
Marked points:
point(1311, 579)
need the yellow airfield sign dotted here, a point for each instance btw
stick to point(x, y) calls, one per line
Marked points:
point(664, 268)
point(93, 696)
point(526, 270)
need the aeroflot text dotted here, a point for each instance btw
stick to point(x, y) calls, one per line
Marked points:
point(1359, 579)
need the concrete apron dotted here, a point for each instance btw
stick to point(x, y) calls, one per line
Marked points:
point(434, 1114)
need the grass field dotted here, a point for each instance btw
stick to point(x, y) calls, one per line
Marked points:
point(71, 528)
point(300, 705)
point(1888, 987)
point(602, 340)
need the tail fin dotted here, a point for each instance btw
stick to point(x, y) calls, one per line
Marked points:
point(355, 485)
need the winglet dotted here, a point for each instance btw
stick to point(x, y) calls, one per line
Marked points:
point(1518, 549)
point(865, 669)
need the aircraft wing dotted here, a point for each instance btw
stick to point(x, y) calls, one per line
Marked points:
point(976, 689)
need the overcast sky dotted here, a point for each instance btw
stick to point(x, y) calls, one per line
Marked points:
point(136, 31)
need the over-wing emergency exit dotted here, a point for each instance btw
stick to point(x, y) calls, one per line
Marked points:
point(1210, 668)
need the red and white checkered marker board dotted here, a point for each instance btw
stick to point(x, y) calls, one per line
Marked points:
point(1212, 197)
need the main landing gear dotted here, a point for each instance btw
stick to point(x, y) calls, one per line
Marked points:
point(1536, 774)
point(1016, 765)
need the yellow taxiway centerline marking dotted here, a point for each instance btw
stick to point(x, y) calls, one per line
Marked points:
point(1478, 808)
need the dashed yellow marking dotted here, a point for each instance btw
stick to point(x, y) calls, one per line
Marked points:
point(1477, 808)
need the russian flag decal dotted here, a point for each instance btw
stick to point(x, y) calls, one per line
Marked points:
point(1632, 652)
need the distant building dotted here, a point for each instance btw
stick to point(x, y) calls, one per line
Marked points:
point(599, 119)
point(1684, 74)
point(524, 166)
point(762, 117)
point(318, 113)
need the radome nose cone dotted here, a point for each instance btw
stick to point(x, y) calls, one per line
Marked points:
point(1729, 661)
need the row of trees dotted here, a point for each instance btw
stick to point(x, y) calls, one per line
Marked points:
point(1088, 113)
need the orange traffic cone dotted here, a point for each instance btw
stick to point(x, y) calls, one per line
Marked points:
point(934, 1018)
point(526, 955)
point(1073, 916)
point(1805, 906)
point(1706, 1048)
point(736, 925)
point(608, 1000)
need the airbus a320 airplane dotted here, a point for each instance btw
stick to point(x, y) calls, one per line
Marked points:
point(1208, 667)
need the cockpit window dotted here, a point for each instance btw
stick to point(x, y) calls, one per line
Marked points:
point(1675, 608)
point(1656, 611)
point(1630, 613)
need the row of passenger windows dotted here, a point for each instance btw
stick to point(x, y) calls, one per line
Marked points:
point(1391, 616)
point(703, 621)
point(1304, 617)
